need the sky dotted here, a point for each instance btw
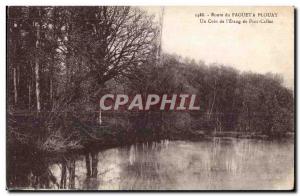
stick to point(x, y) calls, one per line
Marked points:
point(258, 48)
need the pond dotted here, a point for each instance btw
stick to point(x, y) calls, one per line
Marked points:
point(216, 164)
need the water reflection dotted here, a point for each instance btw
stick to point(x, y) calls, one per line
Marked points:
point(216, 164)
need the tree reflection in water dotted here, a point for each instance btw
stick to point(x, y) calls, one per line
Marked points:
point(91, 160)
point(207, 165)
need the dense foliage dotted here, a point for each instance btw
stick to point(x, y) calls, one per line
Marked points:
point(62, 59)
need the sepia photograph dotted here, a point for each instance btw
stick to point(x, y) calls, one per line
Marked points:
point(150, 98)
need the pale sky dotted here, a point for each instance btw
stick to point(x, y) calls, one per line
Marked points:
point(258, 48)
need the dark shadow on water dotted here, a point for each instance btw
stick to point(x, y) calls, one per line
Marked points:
point(153, 165)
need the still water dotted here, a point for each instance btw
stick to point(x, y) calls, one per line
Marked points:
point(217, 164)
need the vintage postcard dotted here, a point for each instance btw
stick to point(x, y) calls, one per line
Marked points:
point(147, 98)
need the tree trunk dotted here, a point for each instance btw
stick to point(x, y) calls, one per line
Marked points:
point(37, 86)
point(100, 117)
point(37, 75)
point(15, 86)
point(51, 90)
point(18, 76)
point(29, 96)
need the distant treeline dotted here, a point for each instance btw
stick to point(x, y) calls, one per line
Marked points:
point(230, 101)
point(61, 60)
